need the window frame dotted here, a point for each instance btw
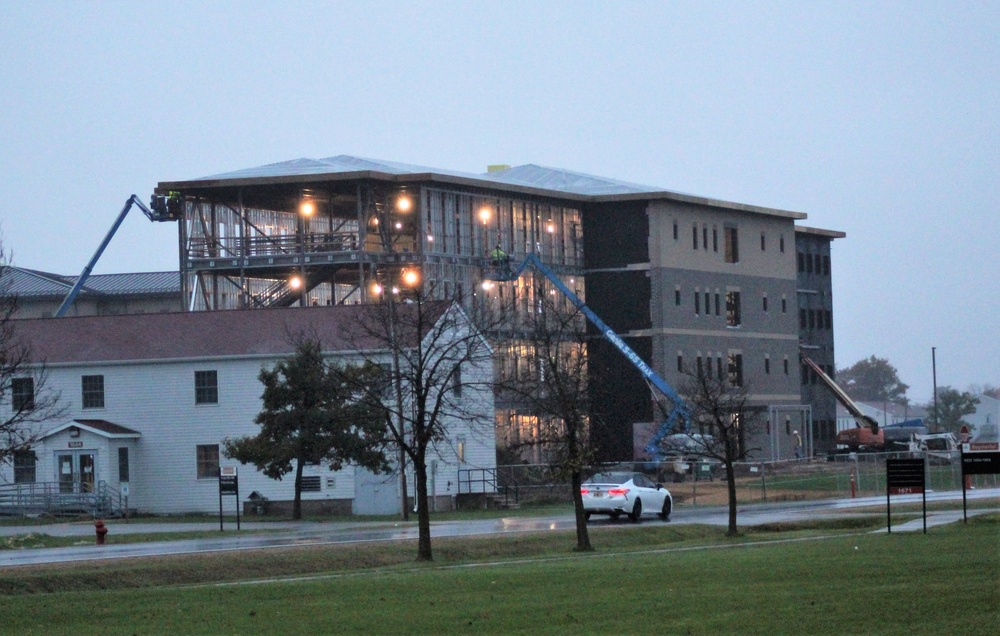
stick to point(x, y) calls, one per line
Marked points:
point(25, 463)
point(456, 382)
point(206, 393)
point(735, 368)
point(92, 397)
point(734, 310)
point(22, 394)
point(123, 464)
point(206, 462)
point(732, 243)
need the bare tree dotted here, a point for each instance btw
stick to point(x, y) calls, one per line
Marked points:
point(554, 388)
point(25, 399)
point(722, 425)
point(441, 375)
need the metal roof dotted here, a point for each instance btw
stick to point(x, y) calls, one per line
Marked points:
point(29, 283)
point(330, 165)
point(529, 178)
point(133, 283)
point(530, 175)
point(567, 181)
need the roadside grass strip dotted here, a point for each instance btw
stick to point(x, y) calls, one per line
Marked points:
point(647, 580)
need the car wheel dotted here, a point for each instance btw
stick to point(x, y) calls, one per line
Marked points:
point(665, 513)
point(636, 511)
point(615, 515)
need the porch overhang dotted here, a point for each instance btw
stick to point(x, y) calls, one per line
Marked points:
point(104, 428)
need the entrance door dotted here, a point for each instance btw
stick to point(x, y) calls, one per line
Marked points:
point(76, 471)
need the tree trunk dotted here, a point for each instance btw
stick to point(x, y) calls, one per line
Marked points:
point(297, 501)
point(582, 536)
point(423, 513)
point(731, 488)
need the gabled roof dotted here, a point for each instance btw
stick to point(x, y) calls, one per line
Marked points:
point(527, 179)
point(29, 283)
point(209, 334)
point(103, 428)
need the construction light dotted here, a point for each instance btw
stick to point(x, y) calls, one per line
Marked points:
point(550, 226)
point(377, 289)
point(410, 277)
point(484, 215)
point(295, 282)
point(404, 203)
point(307, 208)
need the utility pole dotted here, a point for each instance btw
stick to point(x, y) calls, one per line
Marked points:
point(937, 423)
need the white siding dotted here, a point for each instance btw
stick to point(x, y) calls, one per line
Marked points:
point(157, 399)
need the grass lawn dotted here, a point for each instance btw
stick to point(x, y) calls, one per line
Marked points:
point(651, 579)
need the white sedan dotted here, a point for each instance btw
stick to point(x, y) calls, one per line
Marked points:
point(618, 493)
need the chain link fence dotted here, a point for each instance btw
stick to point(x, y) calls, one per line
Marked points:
point(702, 482)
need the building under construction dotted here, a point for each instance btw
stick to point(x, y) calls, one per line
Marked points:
point(689, 282)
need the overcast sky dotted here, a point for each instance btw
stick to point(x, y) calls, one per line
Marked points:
point(879, 119)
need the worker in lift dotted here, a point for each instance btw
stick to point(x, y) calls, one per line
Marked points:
point(498, 257)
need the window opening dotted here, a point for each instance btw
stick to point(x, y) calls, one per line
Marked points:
point(207, 457)
point(123, 464)
point(732, 245)
point(93, 391)
point(733, 317)
point(22, 394)
point(206, 387)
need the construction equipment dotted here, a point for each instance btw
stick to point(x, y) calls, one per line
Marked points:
point(168, 208)
point(500, 270)
point(867, 433)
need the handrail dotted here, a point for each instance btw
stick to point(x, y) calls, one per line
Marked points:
point(54, 497)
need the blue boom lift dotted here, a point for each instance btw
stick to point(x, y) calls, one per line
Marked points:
point(169, 208)
point(500, 270)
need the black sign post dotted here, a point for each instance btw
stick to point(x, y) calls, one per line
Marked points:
point(904, 477)
point(978, 459)
point(229, 484)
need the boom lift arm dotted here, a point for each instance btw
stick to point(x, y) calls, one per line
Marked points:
point(164, 209)
point(653, 379)
point(862, 420)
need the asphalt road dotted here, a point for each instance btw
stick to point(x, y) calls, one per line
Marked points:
point(289, 534)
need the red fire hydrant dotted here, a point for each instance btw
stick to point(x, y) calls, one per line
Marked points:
point(101, 530)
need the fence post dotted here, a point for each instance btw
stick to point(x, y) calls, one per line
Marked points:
point(763, 481)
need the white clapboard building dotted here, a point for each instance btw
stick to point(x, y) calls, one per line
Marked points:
point(148, 399)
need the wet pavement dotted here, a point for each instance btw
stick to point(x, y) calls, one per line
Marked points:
point(290, 534)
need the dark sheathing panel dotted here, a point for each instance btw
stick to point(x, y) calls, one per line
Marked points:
point(615, 234)
point(621, 299)
point(619, 397)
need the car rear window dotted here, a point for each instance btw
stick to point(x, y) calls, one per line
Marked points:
point(609, 478)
